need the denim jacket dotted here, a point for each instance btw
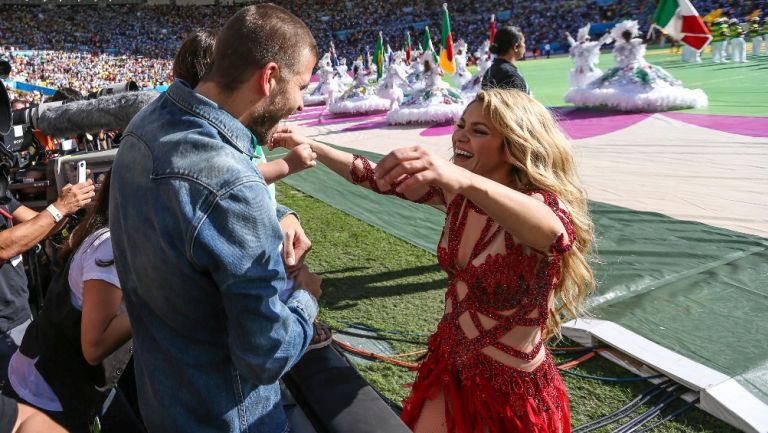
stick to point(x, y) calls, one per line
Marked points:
point(196, 245)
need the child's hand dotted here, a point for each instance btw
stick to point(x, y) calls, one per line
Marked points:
point(285, 137)
point(303, 278)
point(300, 157)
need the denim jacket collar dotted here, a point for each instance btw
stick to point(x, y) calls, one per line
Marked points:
point(234, 132)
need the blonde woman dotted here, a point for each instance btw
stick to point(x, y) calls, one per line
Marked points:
point(514, 246)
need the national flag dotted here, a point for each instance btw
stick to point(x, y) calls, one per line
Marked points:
point(681, 21)
point(408, 48)
point(447, 60)
point(378, 56)
point(427, 44)
point(334, 58)
point(493, 27)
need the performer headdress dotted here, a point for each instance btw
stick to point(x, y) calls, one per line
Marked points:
point(326, 60)
point(628, 25)
point(583, 34)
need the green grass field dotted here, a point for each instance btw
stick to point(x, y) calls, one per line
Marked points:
point(375, 279)
point(735, 89)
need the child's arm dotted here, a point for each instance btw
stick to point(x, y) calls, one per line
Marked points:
point(299, 158)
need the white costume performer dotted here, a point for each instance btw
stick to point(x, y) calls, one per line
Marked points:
point(415, 79)
point(484, 61)
point(635, 85)
point(334, 89)
point(360, 97)
point(586, 56)
point(435, 102)
point(393, 82)
point(343, 72)
point(318, 95)
point(462, 75)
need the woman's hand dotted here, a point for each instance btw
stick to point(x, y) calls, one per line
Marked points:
point(423, 167)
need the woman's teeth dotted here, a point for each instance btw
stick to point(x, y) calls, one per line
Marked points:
point(463, 153)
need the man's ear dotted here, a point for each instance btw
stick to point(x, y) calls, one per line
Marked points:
point(268, 77)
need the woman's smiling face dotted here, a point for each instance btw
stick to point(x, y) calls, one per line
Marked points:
point(479, 147)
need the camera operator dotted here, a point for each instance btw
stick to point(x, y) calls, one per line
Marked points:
point(21, 228)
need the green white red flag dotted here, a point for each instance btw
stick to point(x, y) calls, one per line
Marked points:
point(682, 22)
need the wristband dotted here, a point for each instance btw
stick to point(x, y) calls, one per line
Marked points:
point(57, 216)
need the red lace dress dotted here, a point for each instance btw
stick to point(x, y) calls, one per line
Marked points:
point(511, 289)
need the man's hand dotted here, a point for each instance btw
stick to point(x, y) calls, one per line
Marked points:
point(296, 244)
point(74, 197)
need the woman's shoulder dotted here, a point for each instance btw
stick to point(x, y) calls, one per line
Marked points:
point(97, 239)
point(98, 244)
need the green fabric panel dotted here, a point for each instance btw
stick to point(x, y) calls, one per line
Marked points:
point(699, 290)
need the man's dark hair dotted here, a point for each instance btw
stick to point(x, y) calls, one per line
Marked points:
point(257, 35)
point(194, 56)
point(505, 39)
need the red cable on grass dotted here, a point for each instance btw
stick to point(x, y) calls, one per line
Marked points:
point(579, 360)
point(367, 354)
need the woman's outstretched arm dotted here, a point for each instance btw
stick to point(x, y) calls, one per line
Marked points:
point(356, 169)
point(528, 219)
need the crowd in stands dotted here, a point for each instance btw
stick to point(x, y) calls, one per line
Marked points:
point(89, 47)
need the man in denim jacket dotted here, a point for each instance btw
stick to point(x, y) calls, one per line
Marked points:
point(196, 240)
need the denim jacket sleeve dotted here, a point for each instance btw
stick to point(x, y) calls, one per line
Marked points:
point(283, 211)
point(237, 243)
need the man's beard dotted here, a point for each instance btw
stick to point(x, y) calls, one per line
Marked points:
point(263, 123)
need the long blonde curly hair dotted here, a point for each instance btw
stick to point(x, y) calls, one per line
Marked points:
point(543, 159)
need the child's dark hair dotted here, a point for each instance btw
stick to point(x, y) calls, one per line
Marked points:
point(194, 56)
point(627, 35)
point(505, 39)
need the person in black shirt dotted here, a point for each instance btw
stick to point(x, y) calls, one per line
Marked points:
point(20, 229)
point(508, 46)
